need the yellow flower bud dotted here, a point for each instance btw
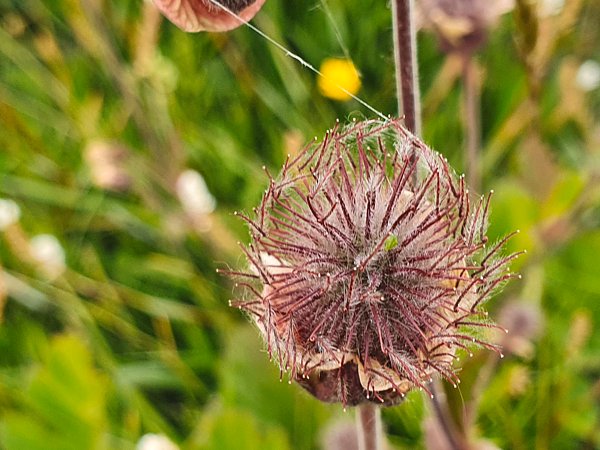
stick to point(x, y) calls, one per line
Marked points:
point(340, 79)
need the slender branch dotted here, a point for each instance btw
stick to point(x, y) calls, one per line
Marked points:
point(368, 423)
point(481, 382)
point(443, 417)
point(405, 59)
point(472, 122)
point(147, 37)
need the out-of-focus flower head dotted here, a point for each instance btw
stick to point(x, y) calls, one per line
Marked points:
point(47, 251)
point(205, 15)
point(155, 442)
point(9, 213)
point(461, 25)
point(524, 323)
point(588, 75)
point(369, 266)
point(193, 194)
point(195, 198)
point(551, 7)
point(340, 79)
point(106, 162)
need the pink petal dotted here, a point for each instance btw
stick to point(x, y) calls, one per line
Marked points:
point(202, 15)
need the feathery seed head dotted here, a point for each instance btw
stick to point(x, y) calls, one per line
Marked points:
point(369, 266)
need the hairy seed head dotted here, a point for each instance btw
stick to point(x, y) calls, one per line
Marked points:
point(369, 266)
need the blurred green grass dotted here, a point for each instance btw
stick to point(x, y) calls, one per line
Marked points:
point(135, 335)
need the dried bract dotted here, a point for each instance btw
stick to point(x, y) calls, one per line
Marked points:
point(369, 266)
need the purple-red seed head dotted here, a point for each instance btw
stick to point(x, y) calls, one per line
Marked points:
point(369, 266)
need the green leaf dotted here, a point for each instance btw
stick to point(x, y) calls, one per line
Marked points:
point(250, 381)
point(226, 428)
point(64, 406)
point(391, 243)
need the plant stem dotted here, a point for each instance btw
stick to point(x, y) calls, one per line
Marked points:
point(443, 417)
point(407, 85)
point(368, 416)
point(368, 423)
point(472, 122)
point(405, 59)
point(481, 382)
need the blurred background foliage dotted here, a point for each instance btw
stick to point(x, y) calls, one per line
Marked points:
point(114, 323)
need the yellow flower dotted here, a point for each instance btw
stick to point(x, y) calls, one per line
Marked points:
point(337, 74)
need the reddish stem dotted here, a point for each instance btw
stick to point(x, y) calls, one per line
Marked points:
point(405, 58)
point(368, 421)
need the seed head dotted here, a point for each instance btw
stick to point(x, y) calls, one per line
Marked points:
point(207, 15)
point(461, 25)
point(369, 266)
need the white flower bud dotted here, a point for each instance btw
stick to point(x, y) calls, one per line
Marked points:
point(155, 442)
point(551, 7)
point(9, 213)
point(194, 195)
point(107, 164)
point(588, 75)
point(47, 251)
